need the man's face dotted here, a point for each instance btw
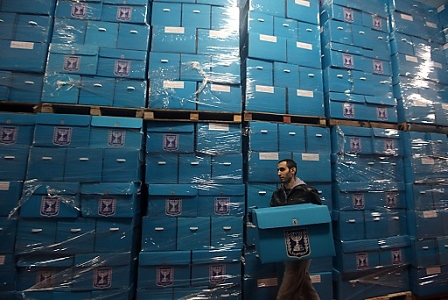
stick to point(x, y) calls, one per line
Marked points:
point(284, 173)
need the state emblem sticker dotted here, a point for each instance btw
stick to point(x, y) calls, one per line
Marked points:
point(297, 243)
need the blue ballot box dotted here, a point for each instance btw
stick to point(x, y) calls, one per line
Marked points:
point(293, 232)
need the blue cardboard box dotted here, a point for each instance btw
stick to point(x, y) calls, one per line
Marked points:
point(263, 98)
point(164, 269)
point(83, 164)
point(193, 233)
point(172, 200)
point(259, 71)
point(171, 94)
point(97, 90)
point(61, 88)
point(35, 236)
point(226, 232)
point(87, 10)
point(218, 138)
point(293, 232)
point(133, 37)
point(158, 233)
point(10, 192)
point(166, 14)
point(227, 168)
point(14, 162)
point(46, 163)
point(16, 129)
point(395, 251)
point(116, 132)
point(170, 137)
point(264, 136)
point(73, 59)
point(130, 93)
point(8, 230)
point(221, 97)
point(173, 39)
point(122, 165)
point(134, 11)
point(23, 56)
point(115, 235)
point(122, 63)
point(33, 28)
point(159, 168)
point(110, 200)
point(221, 200)
point(291, 137)
point(195, 168)
point(304, 11)
point(357, 255)
point(25, 87)
point(218, 42)
point(262, 166)
point(303, 52)
point(40, 7)
point(75, 236)
point(164, 65)
point(196, 15)
point(267, 47)
point(50, 200)
point(308, 162)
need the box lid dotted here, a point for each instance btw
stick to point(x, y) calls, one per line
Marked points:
point(290, 216)
point(116, 122)
point(122, 53)
point(224, 190)
point(386, 133)
point(127, 2)
point(157, 258)
point(51, 188)
point(102, 259)
point(358, 245)
point(16, 118)
point(74, 49)
point(170, 127)
point(110, 188)
point(399, 241)
point(353, 130)
point(387, 101)
point(172, 190)
point(385, 186)
point(215, 256)
point(341, 97)
point(62, 119)
point(44, 261)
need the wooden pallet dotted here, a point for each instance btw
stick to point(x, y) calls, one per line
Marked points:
point(19, 107)
point(91, 110)
point(284, 118)
point(432, 297)
point(191, 116)
point(423, 127)
point(394, 296)
point(356, 123)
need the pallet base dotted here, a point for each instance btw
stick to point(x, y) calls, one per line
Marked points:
point(284, 118)
point(91, 110)
point(191, 115)
point(394, 296)
point(355, 123)
point(423, 127)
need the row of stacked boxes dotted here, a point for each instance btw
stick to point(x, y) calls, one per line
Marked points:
point(260, 161)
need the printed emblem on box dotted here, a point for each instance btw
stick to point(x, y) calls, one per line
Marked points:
point(124, 13)
point(348, 61)
point(297, 243)
point(391, 199)
point(355, 145)
point(348, 15)
point(173, 206)
point(122, 68)
point(71, 63)
point(8, 134)
point(362, 261)
point(45, 278)
point(217, 273)
point(396, 257)
point(358, 201)
point(79, 10)
point(348, 110)
point(107, 206)
point(377, 23)
point(222, 205)
point(170, 142)
point(102, 278)
point(62, 136)
point(49, 206)
point(381, 113)
point(378, 66)
point(165, 276)
point(116, 138)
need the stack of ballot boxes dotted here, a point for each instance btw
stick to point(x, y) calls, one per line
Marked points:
point(98, 54)
point(419, 63)
point(192, 233)
point(369, 212)
point(282, 58)
point(356, 61)
point(194, 59)
point(25, 36)
point(427, 195)
point(79, 213)
point(267, 144)
point(16, 135)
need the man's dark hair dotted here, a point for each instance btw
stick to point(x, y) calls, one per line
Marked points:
point(290, 163)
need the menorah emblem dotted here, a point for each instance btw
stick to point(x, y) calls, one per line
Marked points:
point(222, 205)
point(396, 257)
point(49, 206)
point(62, 136)
point(358, 201)
point(391, 199)
point(45, 278)
point(102, 278)
point(377, 23)
point(217, 273)
point(107, 206)
point(71, 63)
point(347, 60)
point(79, 10)
point(122, 68)
point(381, 113)
point(116, 138)
point(297, 243)
point(348, 15)
point(378, 67)
point(124, 13)
point(170, 142)
point(173, 206)
point(165, 276)
point(362, 261)
point(348, 110)
point(8, 134)
point(355, 145)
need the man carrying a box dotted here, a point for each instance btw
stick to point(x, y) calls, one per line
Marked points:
point(296, 282)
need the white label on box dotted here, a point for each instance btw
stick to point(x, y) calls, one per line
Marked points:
point(171, 29)
point(430, 214)
point(419, 103)
point(407, 17)
point(169, 84)
point(303, 3)
point(411, 58)
point(2, 259)
point(268, 38)
point(310, 156)
point(427, 161)
point(316, 279)
point(441, 7)
point(21, 45)
point(220, 88)
point(305, 93)
point(304, 45)
point(445, 106)
point(264, 89)
point(445, 47)
point(4, 185)
point(218, 127)
point(431, 24)
point(433, 270)
point(218, 33)
point(437, 64)
point(268, 156)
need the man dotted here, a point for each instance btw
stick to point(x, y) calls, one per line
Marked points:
point(296, 282)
